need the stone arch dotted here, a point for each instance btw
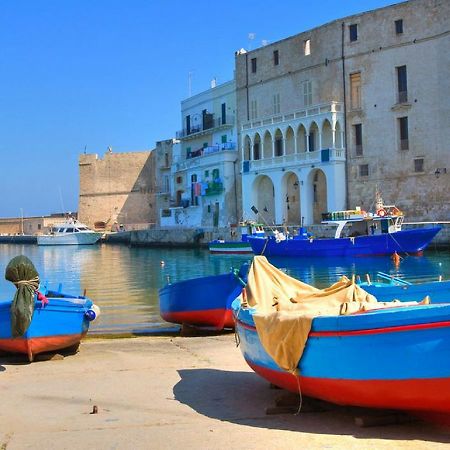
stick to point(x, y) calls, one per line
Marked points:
point(301, 138)
point(292, 206)
point(338, 135)
point(257, 147)
point(263, 195)
point(313, 137)
point(289, 141)
point(279, 143)
point(247, 145)
point(267, 145)
point(327, 134)
point(318, 182)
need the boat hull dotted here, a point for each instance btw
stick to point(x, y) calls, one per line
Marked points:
point(229, 247)
point(405, 241)
point(404, 369)
point(60, 324)
point(80, 238)
point(202, 302)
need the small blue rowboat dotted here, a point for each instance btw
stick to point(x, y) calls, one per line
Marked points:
point(58, 322)
point(395, 358)
point(397, 288)
point(203, 302)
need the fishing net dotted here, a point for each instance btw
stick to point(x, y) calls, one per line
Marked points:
point(23, 274)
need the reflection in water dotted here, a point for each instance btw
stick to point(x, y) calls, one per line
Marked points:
point(124, 281)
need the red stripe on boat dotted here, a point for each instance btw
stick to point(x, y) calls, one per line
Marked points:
point(420, 326)
point(428, 397)
point(218, 318)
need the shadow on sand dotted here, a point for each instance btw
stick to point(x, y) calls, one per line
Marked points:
point(242, 398)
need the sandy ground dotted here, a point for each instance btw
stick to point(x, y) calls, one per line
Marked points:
point(171, 392)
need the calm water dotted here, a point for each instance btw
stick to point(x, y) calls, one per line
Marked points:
point(124, 281)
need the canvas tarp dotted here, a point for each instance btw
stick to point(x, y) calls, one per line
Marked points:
point(23, 274)
point(285, 308)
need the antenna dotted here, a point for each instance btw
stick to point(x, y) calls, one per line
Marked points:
point(190, 83)
point(61, 199)
point(251, 37)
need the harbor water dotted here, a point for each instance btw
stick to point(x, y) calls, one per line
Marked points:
point(125, 281)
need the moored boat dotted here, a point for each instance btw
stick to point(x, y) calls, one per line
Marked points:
point(203, 302)
point(388, 357)
point(242, 246)
point(357, 234)
point(70, 232)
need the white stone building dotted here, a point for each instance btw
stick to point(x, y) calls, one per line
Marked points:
point(205, 166)
point(330, 114)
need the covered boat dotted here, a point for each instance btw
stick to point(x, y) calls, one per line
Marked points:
point(357, 234)
point(203, 302)
point(70, 232)
point(36, 322)
point(341, 345)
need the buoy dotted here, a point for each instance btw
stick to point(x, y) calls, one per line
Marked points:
point(396, 258)
point(162, 263)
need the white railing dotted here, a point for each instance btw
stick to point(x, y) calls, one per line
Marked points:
point(332, 107)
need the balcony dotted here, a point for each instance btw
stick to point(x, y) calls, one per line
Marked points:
point(210, 125)
point(194, 157)
point(296, 159)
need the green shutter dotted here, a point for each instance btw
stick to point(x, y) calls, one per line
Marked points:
point(224, 139)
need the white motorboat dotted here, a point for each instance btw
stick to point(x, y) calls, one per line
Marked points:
point(70, 232)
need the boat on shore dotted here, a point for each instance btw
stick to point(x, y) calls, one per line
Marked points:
point(385, 356)
point(221, 246)
point(357, 234)
point(203, 302)
point(70, 232)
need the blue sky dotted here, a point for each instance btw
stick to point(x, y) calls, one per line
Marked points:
point(99, 73)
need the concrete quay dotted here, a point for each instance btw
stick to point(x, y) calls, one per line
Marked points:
point(165, 392)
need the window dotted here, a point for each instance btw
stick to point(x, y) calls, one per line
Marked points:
point(179, 180)
point(215, 175)
point(355, 90)
point(364, 170)
point(253, 110)
point(223, 139)
point(256, 154)
point(188, 152)
point(166, 160)
point(358, 139)
point(399, 26)
point(195, 190)
point(403, 133)
point(418, 165)
point(307, 92)
point(276, 103)
point(402, 84)
point(276, 58)
point(307, 47)
point(353, 30)
point(253, 65)
point(206, 173)
point(166, 183)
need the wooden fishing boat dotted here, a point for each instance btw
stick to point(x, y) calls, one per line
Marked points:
point(403, 290)
point(59, 321)
point(388, 358)
point(203, 302)
point(242, 246)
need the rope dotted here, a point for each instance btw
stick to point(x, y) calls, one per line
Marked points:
point(399, 246)
point(265, 245)
point(33, 283)
point(300, 395)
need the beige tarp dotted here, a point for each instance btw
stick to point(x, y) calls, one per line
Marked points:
point(285, 308)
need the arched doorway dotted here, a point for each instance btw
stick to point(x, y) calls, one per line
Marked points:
point(264, 199)
point(292, 204)
point(320, 202)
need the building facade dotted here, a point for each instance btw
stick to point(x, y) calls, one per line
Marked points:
point(118, 190)
point(327, 116)
point(204, 168)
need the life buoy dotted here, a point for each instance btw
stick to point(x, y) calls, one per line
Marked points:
point(381, 212)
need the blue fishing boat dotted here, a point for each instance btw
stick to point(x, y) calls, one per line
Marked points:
point(41, 321)
point(203, 302)
point(357, 234)
point(59, 321)
point(383, 357)
point(403, 290)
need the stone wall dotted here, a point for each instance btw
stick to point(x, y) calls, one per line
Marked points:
point(118, 189)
